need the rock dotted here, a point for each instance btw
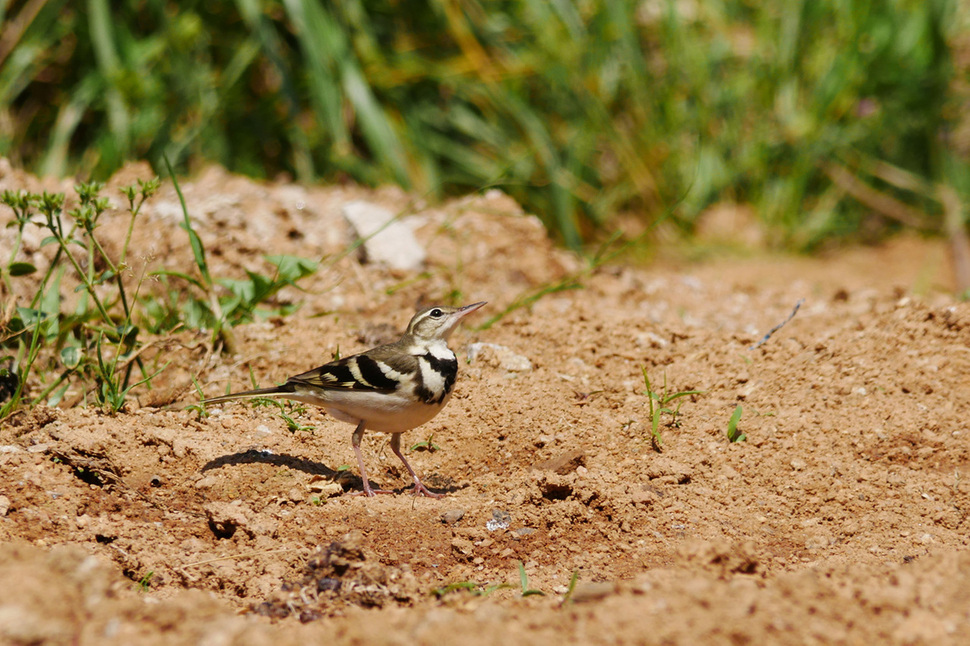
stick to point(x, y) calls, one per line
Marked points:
point(462, 548)
point(499, 356)
point(387, 240)
point(452, 516)
point(593, 591)
point(324, 487)
point(226, 517)
point(500, 520)
point(564, 463)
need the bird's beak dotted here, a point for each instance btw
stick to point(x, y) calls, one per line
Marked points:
point(468, 309)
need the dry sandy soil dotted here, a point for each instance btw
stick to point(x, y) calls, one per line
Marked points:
point(843, 517)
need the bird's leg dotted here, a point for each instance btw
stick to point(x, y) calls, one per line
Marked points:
point(355, 440)
point(419, 488)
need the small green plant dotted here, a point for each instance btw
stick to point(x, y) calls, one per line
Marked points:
point(199, 409)
point(238, 301)
point(97, 342)
point(425, 445)
point(145, 583)
point(733, 433)
point(573, 580)
point(472, 587)
point(287, 412)
point(524, 582)
point(658, 402)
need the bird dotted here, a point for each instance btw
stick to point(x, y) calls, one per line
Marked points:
point(392, 388)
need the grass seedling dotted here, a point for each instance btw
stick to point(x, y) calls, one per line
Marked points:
point(472, 587)
point(200, 409)
point(573, 580)
point(425, 445)
point(658, 403)
point(733, 433)
point(145, 583)
point(524, 582)
point(287, 412)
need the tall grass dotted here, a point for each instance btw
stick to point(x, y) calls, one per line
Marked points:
point(580, 110)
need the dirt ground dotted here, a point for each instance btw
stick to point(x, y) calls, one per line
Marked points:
point(841, 519)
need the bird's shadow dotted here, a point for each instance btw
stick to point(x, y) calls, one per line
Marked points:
point(345, 478)
point(256, 456)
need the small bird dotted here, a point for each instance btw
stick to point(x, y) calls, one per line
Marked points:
point(391, 388)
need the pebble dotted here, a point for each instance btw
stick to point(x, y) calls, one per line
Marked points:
point(500, 520)
point(388, 241)
point(505, 357)
point(452, 516)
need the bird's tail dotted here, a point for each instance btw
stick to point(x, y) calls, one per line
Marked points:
point(275, 391)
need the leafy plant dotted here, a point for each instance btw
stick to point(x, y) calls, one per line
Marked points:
point(99, 344)
point(524, 582)
point(425, 445)
point(658, 403)
point(95, 342)
point(733, 433)
point(218, 304)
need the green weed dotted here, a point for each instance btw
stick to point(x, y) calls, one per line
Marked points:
point(658, 403)
point(145, 583)
point(97, 339)
point(733, 433)
point(425, 445)
point(524, 583)
point(573, 580)
point(98, 342)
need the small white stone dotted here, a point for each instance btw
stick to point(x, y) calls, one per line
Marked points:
point(386, 240)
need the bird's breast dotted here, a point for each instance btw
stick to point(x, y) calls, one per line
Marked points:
point(436, 377)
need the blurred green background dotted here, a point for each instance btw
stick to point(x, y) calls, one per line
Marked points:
point(830, 120)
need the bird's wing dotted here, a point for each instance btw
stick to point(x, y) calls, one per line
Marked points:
point(370, 371)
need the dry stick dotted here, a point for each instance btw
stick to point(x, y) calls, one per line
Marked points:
point(957, 233)
point(765, 338)
point(239, 556)
point(875, 200)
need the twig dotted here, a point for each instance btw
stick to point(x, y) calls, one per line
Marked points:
point(872, 198)
point(765, 338)
point(239, 556)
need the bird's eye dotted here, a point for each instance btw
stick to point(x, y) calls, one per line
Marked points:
point(436, 313)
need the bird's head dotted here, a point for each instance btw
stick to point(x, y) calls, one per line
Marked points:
point(438, 321)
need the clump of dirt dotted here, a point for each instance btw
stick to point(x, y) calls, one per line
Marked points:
point(339, 574)
point(841, 517)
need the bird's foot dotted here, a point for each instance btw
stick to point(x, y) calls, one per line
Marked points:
point(421, 490)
